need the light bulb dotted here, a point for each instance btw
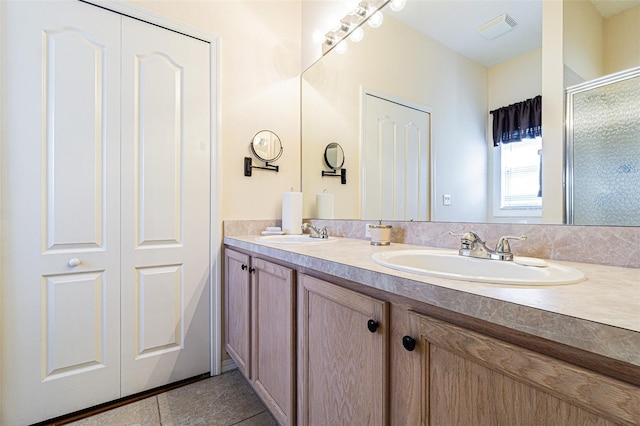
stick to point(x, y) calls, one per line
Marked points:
point(342, 47)
point(351, 5)
point(376, 20)
point(318, 37)
point(357, 35)
point(397, 5)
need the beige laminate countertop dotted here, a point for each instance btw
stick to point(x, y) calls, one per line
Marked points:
point(600, 315)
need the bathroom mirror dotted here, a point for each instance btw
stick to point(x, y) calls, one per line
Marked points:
point(441, 77)
point(266, 146)
point(334, 156)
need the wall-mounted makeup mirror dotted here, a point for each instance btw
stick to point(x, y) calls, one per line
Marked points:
point(334, 156)
point(266, 146)
point(334, 159)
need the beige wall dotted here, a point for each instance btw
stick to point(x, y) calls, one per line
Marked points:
point(583, 39)
point(622, 41)
point(259, 89)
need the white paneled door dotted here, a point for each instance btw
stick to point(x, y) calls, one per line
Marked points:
point(105, 208)
point(395, 161)
point(165, 206)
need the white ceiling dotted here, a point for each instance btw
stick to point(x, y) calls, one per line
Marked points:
point(608, 8)
point(454, 22)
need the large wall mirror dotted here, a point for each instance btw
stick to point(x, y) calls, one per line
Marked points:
point(430, 60)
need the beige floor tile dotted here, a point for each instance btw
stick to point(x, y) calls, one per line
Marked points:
point(222, 400)
point(144, 413)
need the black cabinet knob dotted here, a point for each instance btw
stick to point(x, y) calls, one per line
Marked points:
point(372, 325)
point(252, 270)
point(244, 267)
point(409, 343)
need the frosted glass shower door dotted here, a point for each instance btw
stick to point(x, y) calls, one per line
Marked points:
point(603, 151)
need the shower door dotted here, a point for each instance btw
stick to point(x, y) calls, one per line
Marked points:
point(603, 151)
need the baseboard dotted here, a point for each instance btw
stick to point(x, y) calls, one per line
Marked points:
point(228, 365)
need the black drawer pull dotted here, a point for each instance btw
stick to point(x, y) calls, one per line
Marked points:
point(372, 325)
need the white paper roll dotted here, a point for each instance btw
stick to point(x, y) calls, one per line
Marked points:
point(324, 206)
point(292, 212)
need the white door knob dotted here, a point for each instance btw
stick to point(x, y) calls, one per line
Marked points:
point(73, 262)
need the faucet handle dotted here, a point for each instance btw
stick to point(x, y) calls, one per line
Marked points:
point(468, 239)
point(503, 243)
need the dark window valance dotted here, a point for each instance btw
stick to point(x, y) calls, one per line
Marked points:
point(522, 120)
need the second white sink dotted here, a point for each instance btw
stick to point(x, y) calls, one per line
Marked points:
point(449, 264)
point(291, 239)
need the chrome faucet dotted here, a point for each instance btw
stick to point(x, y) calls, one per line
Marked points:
point(471, 245)
point(315, 232)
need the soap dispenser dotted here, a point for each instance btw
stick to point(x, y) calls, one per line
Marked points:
point(380, 234)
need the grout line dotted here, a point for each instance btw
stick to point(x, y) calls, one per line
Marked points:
point(244, 420)
point(158, 407)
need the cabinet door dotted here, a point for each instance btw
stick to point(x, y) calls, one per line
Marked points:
point(237, 333)
point(469, 378)
point(60, 208)
point(273, 341)
point(342, 364)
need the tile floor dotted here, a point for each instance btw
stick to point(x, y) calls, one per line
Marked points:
point(226, 399)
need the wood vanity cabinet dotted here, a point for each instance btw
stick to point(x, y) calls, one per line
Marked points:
point(368, 358)
point(260, 329)
point(342, 355)
point(469, 378)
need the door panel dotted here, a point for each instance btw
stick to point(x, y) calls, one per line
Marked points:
point(61, 199)
point(165, 207)
point(159, 310)
point(75, 334)
point(158, 94)
point(75, 119)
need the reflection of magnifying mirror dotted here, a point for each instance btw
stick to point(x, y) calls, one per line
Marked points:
point(334, 159)
point(334, 156)
point(266, 146)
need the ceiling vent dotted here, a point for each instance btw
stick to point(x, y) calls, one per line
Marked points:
point(497, 26)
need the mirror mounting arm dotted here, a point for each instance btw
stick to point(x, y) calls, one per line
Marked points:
point(248, 166)
point(342, 175)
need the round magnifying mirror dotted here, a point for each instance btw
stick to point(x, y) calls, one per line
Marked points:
point(266, 146)
point(334, 156)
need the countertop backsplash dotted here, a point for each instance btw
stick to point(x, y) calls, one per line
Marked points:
point(606, 245)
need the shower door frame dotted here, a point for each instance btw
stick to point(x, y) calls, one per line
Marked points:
point(570, 92)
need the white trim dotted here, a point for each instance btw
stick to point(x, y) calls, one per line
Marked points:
point(215, 237)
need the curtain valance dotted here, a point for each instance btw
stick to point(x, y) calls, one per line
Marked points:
point(522, 120)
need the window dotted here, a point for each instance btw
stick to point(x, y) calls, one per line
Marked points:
point(520, 175)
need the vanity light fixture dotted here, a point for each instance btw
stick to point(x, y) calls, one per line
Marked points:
point(366, 9)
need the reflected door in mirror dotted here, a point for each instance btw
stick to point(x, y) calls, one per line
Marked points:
point(395, 159)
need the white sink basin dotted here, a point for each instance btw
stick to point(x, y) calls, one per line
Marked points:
point(449, 264)
point(290, 239)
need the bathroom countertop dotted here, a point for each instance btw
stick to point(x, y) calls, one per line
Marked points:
point(600, 315)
